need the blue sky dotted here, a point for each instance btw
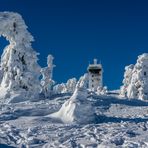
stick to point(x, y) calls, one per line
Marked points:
point(113, 31)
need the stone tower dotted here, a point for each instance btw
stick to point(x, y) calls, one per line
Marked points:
point(95, 72)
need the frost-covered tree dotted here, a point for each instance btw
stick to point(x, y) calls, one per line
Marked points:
point(126, 80)
point(46, 81)
point(136, 80)
point(50, 64)
point(60, 88)
point(67, 87)
point(83, 82)
point(102, 90)
point(19, 67)
point(1, 74)
point(71, 85)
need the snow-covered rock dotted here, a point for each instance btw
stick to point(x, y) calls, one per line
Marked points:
point(78, 109)
point(19, 68)
point(135, 83)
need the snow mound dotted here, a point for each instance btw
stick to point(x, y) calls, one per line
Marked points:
point(78, 108)
point(135, 83)
point(19, 68)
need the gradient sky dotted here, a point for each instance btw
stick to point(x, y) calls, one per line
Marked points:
point(76, 31)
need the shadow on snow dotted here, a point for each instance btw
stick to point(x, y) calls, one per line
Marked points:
point(108, 100)
point(105, 119)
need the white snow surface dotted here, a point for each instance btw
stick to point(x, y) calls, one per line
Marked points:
point(119, 123)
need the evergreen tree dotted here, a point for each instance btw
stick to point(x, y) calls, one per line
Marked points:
point(19, 67)
point(46, 81)
point(136, 79)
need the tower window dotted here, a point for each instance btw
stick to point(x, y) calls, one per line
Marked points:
point(92, 85)
point(144, 73)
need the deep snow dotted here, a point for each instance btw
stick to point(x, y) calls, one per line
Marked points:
point(119, 123)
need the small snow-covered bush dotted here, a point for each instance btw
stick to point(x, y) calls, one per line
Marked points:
point(60, 88)
point(102, 90)
point(67, 87)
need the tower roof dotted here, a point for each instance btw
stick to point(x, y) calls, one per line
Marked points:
point(94, 66)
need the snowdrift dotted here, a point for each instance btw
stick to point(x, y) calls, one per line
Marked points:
point(78, 109)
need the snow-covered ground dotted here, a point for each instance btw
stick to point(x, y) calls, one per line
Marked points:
point(119, 123)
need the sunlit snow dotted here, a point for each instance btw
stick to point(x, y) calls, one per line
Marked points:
point(38, 113)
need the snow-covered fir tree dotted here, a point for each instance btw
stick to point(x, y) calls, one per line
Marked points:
point(102, 90)
point(1, 74)
point(71, 85)
point(67, 87)
point(60, 89)
point(126, 80)
point(82, 83)
point(136, 79)
point(19, 67)
point(46, 81)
